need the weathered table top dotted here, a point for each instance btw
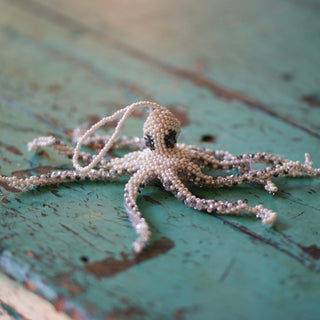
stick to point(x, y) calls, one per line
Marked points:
point(244, 76)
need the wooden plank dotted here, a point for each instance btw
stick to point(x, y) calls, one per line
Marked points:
point(18, 303)
point(72, 244)
point(227, 46)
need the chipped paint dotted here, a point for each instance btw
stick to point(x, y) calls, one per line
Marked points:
point(313, 251)
point(211, 138)
point(21, 272)
point(11, 149)
point(151, 200)
point(72, 288)
point(8, 188)
point(181, 113)
point(10, 311)
point(127, 313)
point(312, 100)
point(109, 267)
point(38, 170)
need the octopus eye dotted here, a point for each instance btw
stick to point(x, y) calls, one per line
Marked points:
point(170, 139)
point(149, 142)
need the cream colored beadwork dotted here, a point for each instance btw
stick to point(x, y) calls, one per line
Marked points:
point(167, 161)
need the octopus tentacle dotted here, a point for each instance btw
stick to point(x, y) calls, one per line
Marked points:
point(126, 143)
point(212, 159)
point(57, 177)
point(60, 147)
point(131, 192)
point(173, 184)
point(125, 163)
point(202, 152)
point(218, 159)
point(130, 163)
point(202, 180)
point(281, 167)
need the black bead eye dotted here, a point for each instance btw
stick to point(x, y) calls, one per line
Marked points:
point(170, 139)
point(149, 142)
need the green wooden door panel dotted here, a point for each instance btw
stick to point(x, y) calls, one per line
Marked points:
point(66, 64)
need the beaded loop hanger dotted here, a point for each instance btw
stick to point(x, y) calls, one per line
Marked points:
point(125, 112)
point(166, 160)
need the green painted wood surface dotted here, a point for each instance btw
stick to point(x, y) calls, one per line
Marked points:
point(246, 73)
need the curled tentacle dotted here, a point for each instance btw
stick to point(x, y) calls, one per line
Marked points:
point(140, 225)
point(173, 184)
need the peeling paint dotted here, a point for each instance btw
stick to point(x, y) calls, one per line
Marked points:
point(313, 100)
point(54, 88)
point(92, 119)
point(128, 313)
point(11, 149)
point(8, 188)
point(39, 170)
point(56, 193)
point(287, 77)
point(5, 200)
point(22, 273)
point(72, 288)
point(109, 267)
point(60, 303)
point(149, 199)
point(211, 138)
point(179, 314)
point(312, 251)
point(181, 114)
point(14, 315)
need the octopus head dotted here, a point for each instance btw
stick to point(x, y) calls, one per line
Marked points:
point(161, 130)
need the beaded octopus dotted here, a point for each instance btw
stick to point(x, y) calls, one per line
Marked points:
point(165, 160)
